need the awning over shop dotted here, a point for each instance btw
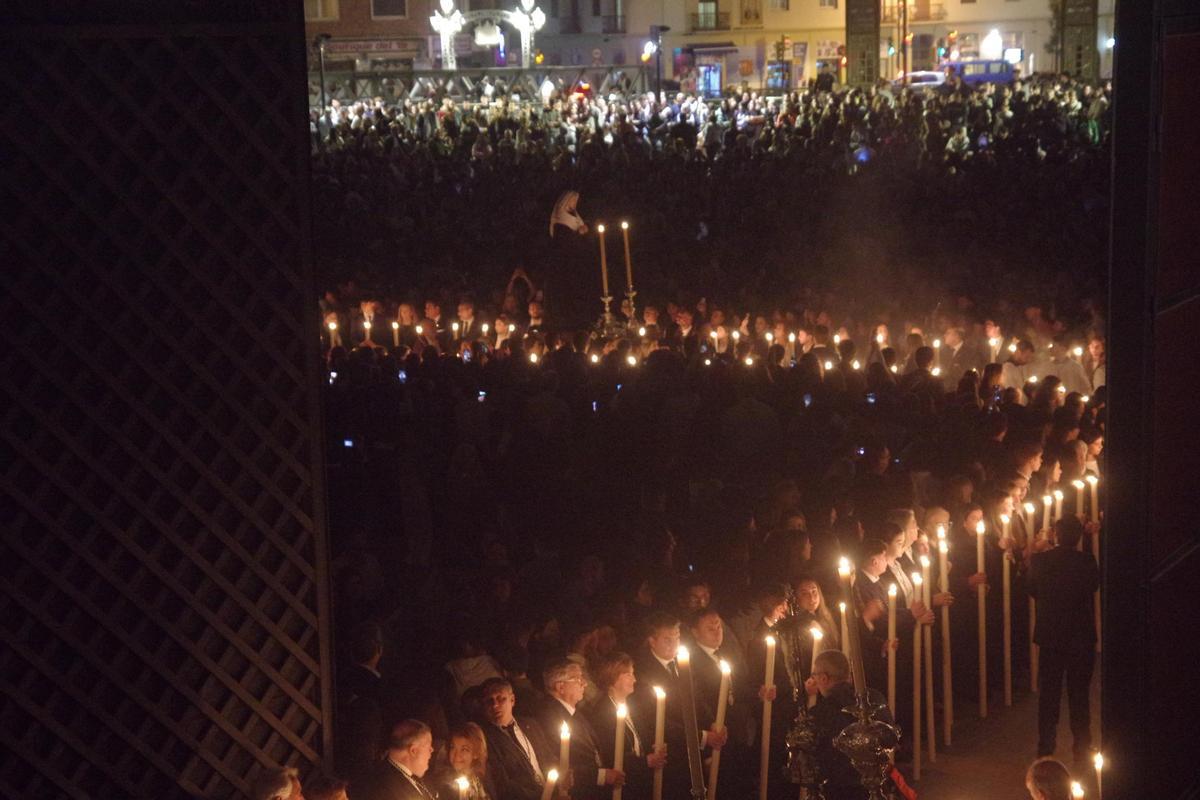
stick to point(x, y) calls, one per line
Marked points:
point(713, 49)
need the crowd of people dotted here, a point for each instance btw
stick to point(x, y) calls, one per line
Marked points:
point(529, 518)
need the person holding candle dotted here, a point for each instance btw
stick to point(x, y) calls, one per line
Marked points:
point(964, 580)
point(1062, 582)
point(656, 665)
point(585, 774)
point(466, 757)
point(615, 676)
point(811, 609)
point(786, 686)
point(517, 749)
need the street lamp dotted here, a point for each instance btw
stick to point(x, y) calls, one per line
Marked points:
point(322, 38)
point(656, 32)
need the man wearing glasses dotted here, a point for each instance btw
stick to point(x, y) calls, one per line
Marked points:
point(564, 689)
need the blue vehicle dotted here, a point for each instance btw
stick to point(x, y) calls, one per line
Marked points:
point(977, 71)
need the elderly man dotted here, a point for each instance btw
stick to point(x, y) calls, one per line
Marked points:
point(398, 776)
point(564, 683)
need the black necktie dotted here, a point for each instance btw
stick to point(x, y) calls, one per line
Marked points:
point(672, 668)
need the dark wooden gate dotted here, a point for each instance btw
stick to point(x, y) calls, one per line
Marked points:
point(162, 575)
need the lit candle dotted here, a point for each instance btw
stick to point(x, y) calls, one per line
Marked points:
point(628, 261)
point(927, 638)
point(817, 636)
point(981, 595)
point(642, 332)
point(1006, 561)
point(631, 360)
point(660, 726)
point(564, 747)
point(366, 330)
point(484, 328)
point(916, 579)
point(420, 330)
point(770, 337)
point(947, 671)
point(619, 745)
point(891, 652)
point(595, 358)
point(1094, 484)
point(1030, 520)
point(548, 789)
point(737, 335)
point(533, 359)
point(691, 727)
point(837, 338)
point(395, 334)
point(719, 725)
point(765, 751)
point(1077, 790)
point(1058, 504)
point(856, 364)
point(456, 328)
point(463, 785)
point(1098, 763)
point(828, 365)
point(845, 632)
point(1079, 486)
point(603, 262)
point(335, 338)
point(1047, 500)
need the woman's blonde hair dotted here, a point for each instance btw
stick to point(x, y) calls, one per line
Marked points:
point(473, 734)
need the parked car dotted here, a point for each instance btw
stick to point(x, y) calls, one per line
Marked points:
point(923, 80)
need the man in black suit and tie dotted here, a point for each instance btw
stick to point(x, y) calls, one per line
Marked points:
point(710, 649)
point(398, 775)
point(656, 666)
point(517, 749)
point(564, 690)
point(1063, 581)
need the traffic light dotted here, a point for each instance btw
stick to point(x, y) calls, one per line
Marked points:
point(891, 47)
point(908, 38)
point(539, 57)
point(941, 48)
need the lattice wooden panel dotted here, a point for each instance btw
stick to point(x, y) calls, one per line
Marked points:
point(163, 578)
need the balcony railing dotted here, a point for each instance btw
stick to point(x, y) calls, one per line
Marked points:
point(713, 21)
point(613, 23)
point(917, 12)
point(569, 25)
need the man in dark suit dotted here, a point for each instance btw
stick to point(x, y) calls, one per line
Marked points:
point(564, 689)
point(367, 709)
point(1063, 581)
point(518, 751)
point(656, 665)
point(398, 775)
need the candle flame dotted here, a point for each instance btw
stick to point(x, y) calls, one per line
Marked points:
point(1033, 379)
point(600, 227)
point(924, 561)
point(420, 330)
point(713, 334)
point(631, 361)
point(660, 693)
point(737, 335)
point(484, 327)
point(1012, 348)
point(624, 226)
point(1047, 499)
point(943, 547)
point(333, 326)
point(792, 338)
point(1092, 479)
point(367, 324)
point(994, 342)
point(533, 358)
point(1078, 484)
point(842, 606)
point(837, 338)
point(749, 361)
point(708, 362)
point(891, 590)
point(770, 640)
point(1030, 508)
point(1004, 518)
point(395, 325)
point(937, 343)
point(936, 371)
point(895, 368)
point(622, 711)
point(856, 364)
point(641, 331)
point(683, 655)
point(1098, 761)
point(552, 776)
point(980, 528)
point(817, 633)
point(1078, 351)
point(595, 358)
point(1085, 398)
point(1058, 495)
point(462, 783)
point(1076, 789)
point(770, 337)
point(916, 579)
point(725, 668)
point(454, 327)
point(828, 365)
point(564, 731)
point(941, 531)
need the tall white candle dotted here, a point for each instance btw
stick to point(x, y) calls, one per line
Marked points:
point(1078, 486)
point(916, 687)
point(1094, 483)
point(660, 727)
point(603, 261)
point(714, 766)
point(981, 595)
point(1058, 504)
point(817, 636)
point(1098, 763)
point(765, 750)
point(927, 649)
point(947, 670)
point(564, 748)
point(551, 780)
point(891, 652)
point(619, 745)
point(395, 334)
point(845, 632)
point(1047, 500)
point(1006, 561)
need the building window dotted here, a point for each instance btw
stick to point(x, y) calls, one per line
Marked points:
point(751, 12)
point(780, 5)
point(829, 3)
point(1013, 40)
point(596, 10)
point(965, 2)
point(382, 9)
point(320, 9)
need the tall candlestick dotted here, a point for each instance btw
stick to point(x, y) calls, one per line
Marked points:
point(603, 262)
point(395, 334)
point(1046, 501)
point(691, 727)
point(1058, 504)
point(927, 638)
point(1006, 561)
point(1033, 648)
point(551, 780)
point(856, 662)
point(628, 262)
point(764, 765)
point(1094, 483)
point(660, 726)
point(981, 594)
point(845, 630)
point(947, 671)
point(891, 652)
point(916, 726)
point(564, 748)
point(719, 725)
point(463, 785)
point(619, 745)
point(1078, 486)
point(817, 636)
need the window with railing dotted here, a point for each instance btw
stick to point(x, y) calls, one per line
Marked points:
point(751, 13)
point(320, 9)
point(710, 20)
point(918, 12)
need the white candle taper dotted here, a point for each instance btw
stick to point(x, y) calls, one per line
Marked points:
point(714, 766)
point(891, 652)
point(981, 596)
point(765, 751)
point(660, 726)
point(619, 745)
point(916, 688)
point(1006, 598)
point(927, 648)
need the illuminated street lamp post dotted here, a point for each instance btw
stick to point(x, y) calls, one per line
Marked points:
point(322, 38)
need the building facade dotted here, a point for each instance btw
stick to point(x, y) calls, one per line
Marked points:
point(711, 45)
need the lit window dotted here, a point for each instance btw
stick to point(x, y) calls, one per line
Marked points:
point(320, 9)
